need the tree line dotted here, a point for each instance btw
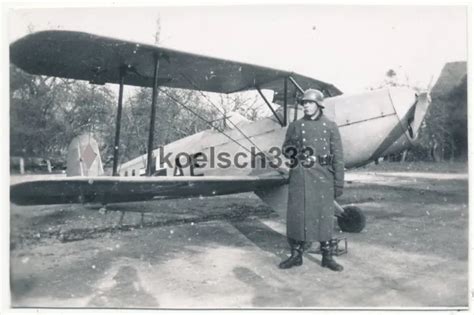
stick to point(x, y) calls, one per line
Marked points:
point(47, 113)
point(443, 134)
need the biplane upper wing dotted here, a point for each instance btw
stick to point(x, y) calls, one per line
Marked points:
point(99, 59)
point(121, 189)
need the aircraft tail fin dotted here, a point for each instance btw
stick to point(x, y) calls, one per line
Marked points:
point(83, 158)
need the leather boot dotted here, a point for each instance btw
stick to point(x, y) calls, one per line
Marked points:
point(296, 258)
point(328, 261)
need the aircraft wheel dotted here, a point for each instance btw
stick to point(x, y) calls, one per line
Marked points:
point(352, 220)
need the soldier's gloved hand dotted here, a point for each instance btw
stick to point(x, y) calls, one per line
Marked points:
point(337, 191)
point(309, 161)
point(303, 158)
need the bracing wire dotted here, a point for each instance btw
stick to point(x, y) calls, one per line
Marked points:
point(202, 118)
point(211, 125)
point(270, 159)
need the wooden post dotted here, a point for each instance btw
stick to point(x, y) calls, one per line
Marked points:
point(48, 165)
point(149, 170)
point(22, 166)
point(118, 122)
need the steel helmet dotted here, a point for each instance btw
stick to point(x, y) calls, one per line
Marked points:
point(313, 95)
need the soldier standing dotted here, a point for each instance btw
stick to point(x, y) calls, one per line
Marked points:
point(313, 145)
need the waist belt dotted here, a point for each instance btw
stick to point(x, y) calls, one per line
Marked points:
point(325, 159)
point(322, 160)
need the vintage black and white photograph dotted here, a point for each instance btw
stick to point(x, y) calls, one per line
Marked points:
point(265, 156)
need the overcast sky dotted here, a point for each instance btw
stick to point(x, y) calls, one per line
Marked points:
point(351, 47)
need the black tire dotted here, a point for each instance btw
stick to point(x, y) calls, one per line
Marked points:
point(352, 220)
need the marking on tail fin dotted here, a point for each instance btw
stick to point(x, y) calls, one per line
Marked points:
point(89, 156)
point(83, 157)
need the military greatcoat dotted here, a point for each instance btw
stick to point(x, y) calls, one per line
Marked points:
point(316, 176)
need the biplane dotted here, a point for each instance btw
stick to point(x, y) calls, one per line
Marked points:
point(372, 124)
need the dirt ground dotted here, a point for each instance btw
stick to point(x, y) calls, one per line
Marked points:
point(223, 252)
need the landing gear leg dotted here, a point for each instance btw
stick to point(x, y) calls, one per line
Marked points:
point(103, 210)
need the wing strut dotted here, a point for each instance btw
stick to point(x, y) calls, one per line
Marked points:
point(283, 123)
point(269, 106)
point(149, 163)
point(296, 84)
point(295, 116)
point(122, 72)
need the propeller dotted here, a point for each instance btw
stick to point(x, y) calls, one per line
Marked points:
point(422, 104)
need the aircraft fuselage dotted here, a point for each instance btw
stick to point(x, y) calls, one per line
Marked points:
point(369, 123)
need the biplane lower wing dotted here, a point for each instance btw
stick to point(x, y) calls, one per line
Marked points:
point(121, 189)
